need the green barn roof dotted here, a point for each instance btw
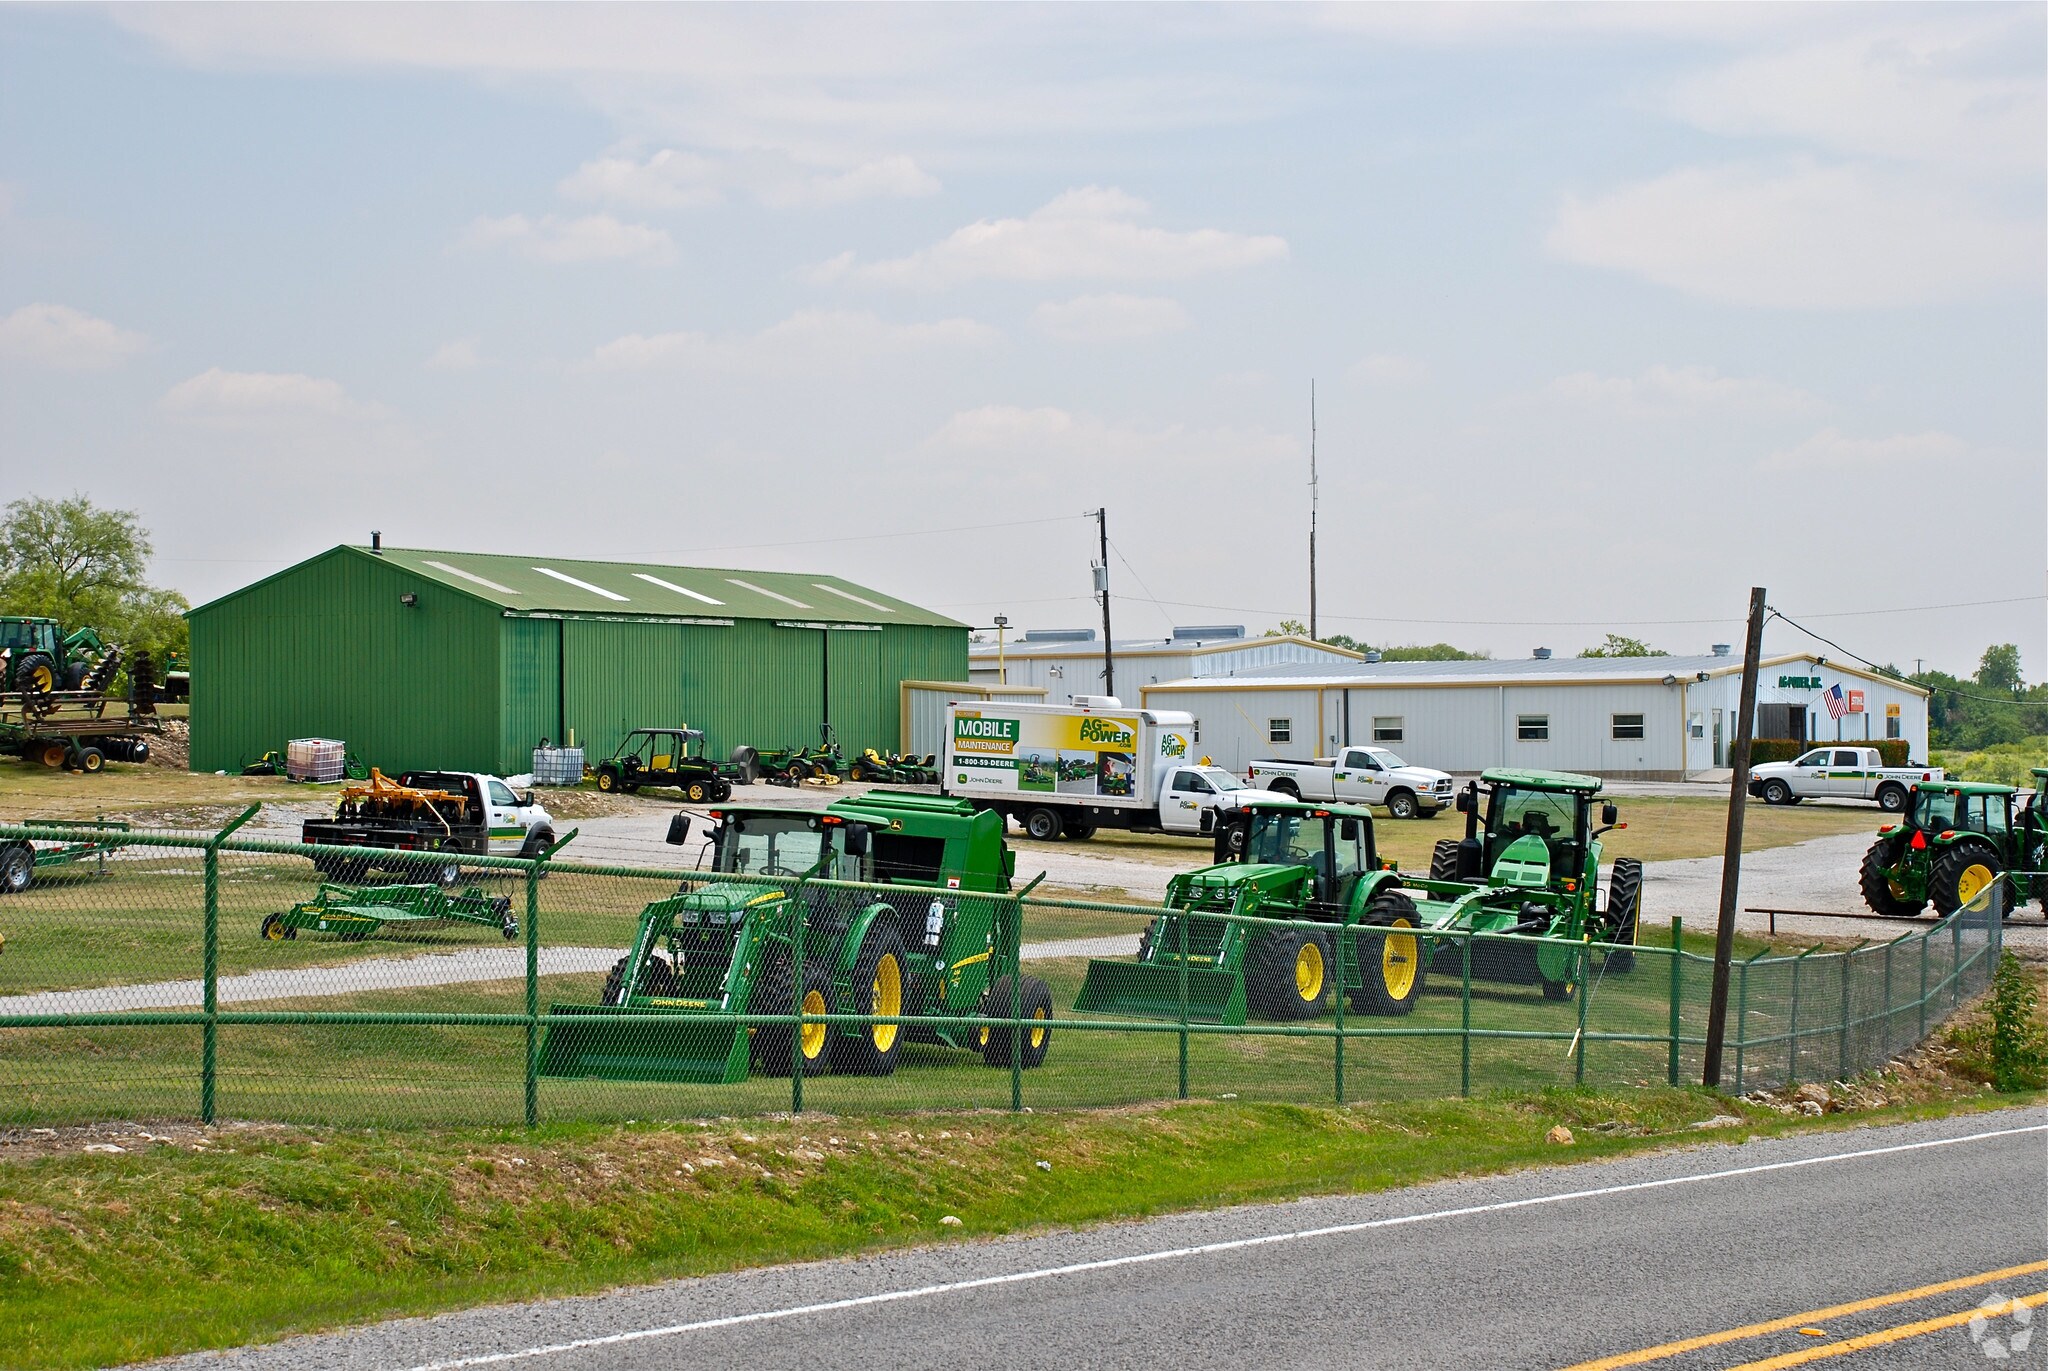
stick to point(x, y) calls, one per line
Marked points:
point(567, 585)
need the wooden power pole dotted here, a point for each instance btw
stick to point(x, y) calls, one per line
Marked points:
point(1731, 852)
point(1102, 589)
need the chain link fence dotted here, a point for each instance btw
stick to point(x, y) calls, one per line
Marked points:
point(158, 975)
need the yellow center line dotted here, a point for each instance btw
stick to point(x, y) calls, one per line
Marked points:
point(1812, 1316)
point(1889, 1335)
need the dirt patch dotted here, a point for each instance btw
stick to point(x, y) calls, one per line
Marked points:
point(21, 1145)
point(172, 749)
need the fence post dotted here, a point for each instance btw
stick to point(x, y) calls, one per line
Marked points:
point(1181, 923)
point(1889, 1011)
point(1955, 964)
point(533, 869)
point(1584, 957)
point(1923, 989)
point(801, 925)
point(209, 955)
point(1677, 989)
point(1340, 1012)
point(1017, 1005)
point(1741, 1019)
point(1465, 1020)
point(1792, 1027)
point(1842, 1045)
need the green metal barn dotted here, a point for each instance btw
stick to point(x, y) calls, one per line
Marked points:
point(467, 661)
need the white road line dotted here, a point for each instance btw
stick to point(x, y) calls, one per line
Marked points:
point(1205, 1249)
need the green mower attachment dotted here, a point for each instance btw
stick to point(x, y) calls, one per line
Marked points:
point(352, 913)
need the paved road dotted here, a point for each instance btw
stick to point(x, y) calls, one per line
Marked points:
point(1540, 1269)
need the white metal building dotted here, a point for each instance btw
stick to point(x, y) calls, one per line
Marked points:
point(1068, 662)
point(923, 708)
point(1648, 718)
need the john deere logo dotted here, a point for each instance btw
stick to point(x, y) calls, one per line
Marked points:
point(1109, 731)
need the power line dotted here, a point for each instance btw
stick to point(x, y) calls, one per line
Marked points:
point(1884, 671)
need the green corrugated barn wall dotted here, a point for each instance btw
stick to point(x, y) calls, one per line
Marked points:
point(328, 649)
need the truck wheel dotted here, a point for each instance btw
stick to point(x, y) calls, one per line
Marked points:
point(1045, 825)
point(1401, 804)
point(1080, 830)
point(1443, 860)
point(1875, 880)
point(448, 875)
point(1961, 874)
point(772, 995)
point(1777, 793)
point(17, 868)
point(1624, 905)
point(1891, 798)
point(1390, 966)
point(879, 981)
point(1287, 788)
point(1034, 1003)
point(1288, 975)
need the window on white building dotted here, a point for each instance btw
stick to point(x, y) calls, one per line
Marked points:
point(1532, 728)
point(1279, 730)
point(1386, 729)
point(1627, 726)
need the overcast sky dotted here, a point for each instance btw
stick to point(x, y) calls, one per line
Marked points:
point(1612, 312)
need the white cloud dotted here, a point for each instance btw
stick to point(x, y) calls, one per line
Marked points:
point(1667, 391)
point(550, 238)
point(459, 355)
point(831, 340)
point(241, 397)
point(668, 179)
point(1389, 369)
point(676, 179)
point(1799, 235)
point(1046, 446)
point(1090, 232)
point(1831, 451)
point(65, 339)
point(1110, 318)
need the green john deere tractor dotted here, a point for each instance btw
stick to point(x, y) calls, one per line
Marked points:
point(931, 943)
point(1954, 840)
point(672, 757)
point(39, 662)
point(1302, 862)
point(1530, 863)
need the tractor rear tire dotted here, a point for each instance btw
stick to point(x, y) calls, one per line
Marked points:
point(1877, 887)
point(772, 1041)
point(1624, 906)
point(1443, 860)
point(17, 868)
point(1045, 825)
point(881, 981)
point(35, 674)
point(1287, 974)
point(1960, 873)
point(998, 1041)
point(1391, 969)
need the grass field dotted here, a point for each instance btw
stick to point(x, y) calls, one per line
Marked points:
point(188, 1239)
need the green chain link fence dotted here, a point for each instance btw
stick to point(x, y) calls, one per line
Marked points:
point(155, 975)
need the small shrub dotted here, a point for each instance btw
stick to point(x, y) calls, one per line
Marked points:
point(2012, 1050)
point(1890, 751)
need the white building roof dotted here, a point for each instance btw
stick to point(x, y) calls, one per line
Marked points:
point(1091, 648)
point(1511, 671)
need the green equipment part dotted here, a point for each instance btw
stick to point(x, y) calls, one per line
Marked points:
point(1955, 839)
point(41, 659)
point(21, 859)
point(936, 940)
point(352, 913)
point(671, 757)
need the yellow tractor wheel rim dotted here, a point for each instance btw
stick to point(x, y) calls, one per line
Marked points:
point(981, 1039)
point(888, 999)
point(1308, 973)
point(1972, 882)
point(53, 756)
point(42, 678)
point(274, 931)
point(1038, 1034)
point(697, 793)
point(1398, 960)
point(813, 1040)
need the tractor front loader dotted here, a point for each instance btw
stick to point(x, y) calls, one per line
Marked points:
point(1953, 841)
point(937, 940)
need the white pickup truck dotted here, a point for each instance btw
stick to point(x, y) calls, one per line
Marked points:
point(1838, 773)
point(1359, 775)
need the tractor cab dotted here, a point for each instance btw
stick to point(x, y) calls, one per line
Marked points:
point(1955, 839)
point(22, 634)
point(1538, 827)
point(1950, 807)
point(1333, 843)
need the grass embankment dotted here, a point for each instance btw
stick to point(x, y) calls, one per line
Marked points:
point(189, 1240)
point(1660, 828)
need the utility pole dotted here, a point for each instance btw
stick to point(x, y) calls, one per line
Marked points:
point(1731, 852)
point(1102, 589)
point(1314, 495)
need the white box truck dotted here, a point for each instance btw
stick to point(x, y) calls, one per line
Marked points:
point(1063, 771)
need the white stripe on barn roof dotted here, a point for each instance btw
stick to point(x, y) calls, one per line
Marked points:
point(835, 590)
point(472, 576)
point(748, 585)
point(680, 590)
point(582, 585)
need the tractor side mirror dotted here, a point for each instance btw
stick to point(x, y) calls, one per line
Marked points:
point(1609, 815)
point(856, 841)
point(679, 829)
point(1347, 829)
point(1464, 801)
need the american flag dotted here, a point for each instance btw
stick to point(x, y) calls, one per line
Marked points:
point(1837, 703)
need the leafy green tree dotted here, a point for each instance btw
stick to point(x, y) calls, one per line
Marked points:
point(72, 561)
point(2000, 669)
point(1431, 652)
point(1618, 646)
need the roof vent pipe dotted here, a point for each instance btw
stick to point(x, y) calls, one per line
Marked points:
point(1542, 654)
point(1372, 657)
point(377, 542)
point(1724, 649)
